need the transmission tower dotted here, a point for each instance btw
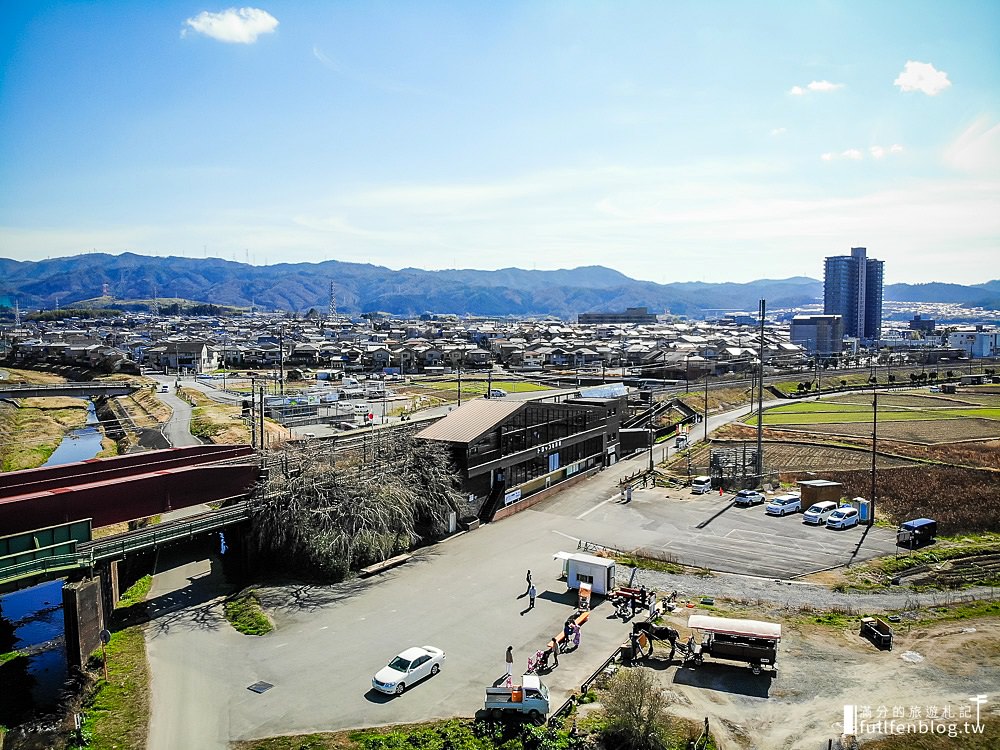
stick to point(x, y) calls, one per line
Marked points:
point(332, 312)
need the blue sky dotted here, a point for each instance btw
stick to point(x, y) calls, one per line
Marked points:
point(671, 141)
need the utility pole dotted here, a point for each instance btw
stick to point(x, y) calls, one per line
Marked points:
point(651, 440)
point(459, 383)
point(871, 507)
point(281, 358)
point(261, 444)
point(759, 468)
point(705, 418)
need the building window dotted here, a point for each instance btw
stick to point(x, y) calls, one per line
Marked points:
point(584, 578)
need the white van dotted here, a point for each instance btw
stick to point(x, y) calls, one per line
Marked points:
point(701, 485)
point(681, 442)
point(819, 512)
point(361, 409)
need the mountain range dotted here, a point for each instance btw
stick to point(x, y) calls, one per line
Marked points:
point(80, 280)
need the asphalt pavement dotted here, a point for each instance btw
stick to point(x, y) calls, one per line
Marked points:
point(465, 595)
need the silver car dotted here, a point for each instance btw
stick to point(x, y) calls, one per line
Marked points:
point(783, 505)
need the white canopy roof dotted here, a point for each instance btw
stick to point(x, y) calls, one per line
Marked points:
point(731, 626)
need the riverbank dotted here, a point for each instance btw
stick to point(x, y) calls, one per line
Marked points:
point(35, 429)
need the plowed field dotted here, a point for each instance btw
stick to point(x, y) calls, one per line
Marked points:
point(927, 432)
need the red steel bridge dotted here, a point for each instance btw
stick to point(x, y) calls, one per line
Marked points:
point(124, 488)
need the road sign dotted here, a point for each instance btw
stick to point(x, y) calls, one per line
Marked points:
point(105, 636)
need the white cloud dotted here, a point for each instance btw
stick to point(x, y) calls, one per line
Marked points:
point(706, 216)
point(880, 152)
point(818, 86)
point(918, 76)
point(779, 131)
point(853, 154)
point(977, 149)
point(828, 156)
point(233, 26)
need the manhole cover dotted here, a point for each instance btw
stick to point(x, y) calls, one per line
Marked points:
point(260, 687)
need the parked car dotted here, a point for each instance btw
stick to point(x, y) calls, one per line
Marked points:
point(701, 485)
point(819, 512)
point(164, 388)
point(783, 505)
point(843, 518)
point(681, 442)
point(748, 497)
point(407, 669)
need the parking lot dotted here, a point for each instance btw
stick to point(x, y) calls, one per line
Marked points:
point(707, 531)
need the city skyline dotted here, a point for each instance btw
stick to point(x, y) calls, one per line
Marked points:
point(710, 142)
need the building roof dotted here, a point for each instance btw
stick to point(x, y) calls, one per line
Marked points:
point(470, 420)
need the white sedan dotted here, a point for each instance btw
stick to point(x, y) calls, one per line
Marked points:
point(408, 668)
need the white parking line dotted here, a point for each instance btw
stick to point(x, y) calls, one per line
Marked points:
point(603, 502)
point(573, 538)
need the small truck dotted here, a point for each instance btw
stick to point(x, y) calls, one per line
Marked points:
point(530, 698)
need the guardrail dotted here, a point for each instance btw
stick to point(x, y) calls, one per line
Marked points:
point(154, 536)
point(76, 385)
point(90, 553)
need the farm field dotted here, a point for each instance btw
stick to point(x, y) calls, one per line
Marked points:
point(478, 387)
point(927, 432)
point(851, 414)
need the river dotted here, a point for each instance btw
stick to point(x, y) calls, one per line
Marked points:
point(31, 620)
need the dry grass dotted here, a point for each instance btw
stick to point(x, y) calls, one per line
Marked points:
point(30, 434)
point(15, 375)
point(144, 408)
point(720, 399)
point(219, 423)
point(960, 499)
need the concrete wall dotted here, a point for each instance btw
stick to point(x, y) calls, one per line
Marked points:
point(84, 616)
point(539, 496)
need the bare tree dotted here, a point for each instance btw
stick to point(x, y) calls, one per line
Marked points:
point(336, 519)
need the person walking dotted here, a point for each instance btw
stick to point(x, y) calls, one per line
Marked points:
point(576, 636)
point(628, 494)
point(509, 659)
point(531, 596)
point(555, 651)
point(567, 632)
point(527, 579)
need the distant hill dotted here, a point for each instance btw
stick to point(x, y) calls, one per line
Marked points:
point(410, 291)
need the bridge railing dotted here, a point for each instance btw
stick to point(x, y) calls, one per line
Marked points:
point(44, 565)
point(154, 536)
point(93, 552)
point(78, 385)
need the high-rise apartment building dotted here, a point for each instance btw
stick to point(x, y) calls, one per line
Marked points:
point(852, 288)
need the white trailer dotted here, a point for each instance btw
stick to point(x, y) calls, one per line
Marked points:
point(580, 568)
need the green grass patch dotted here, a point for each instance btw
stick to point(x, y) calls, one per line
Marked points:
point(837, 620)
point(648, 563)
point(117, 714)
point(10, 656)
point(246, 615)
point(478, 387)
point(136, 593)
point(877, 574)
